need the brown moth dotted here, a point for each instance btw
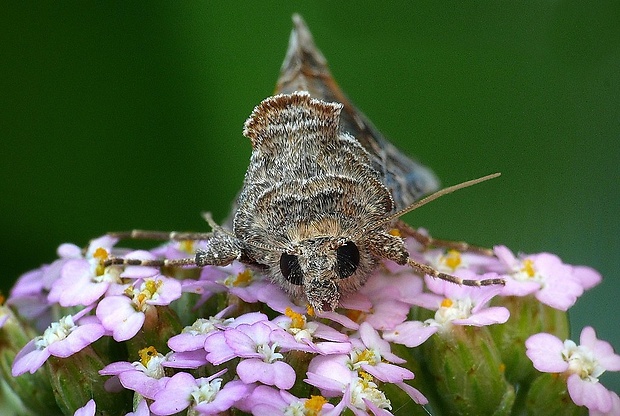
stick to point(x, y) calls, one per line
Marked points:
point(321, 193)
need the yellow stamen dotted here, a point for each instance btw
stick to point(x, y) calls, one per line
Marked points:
point(502, 367)
point(151, 286)
point(243, 278)
point(310, 310)
point(446, 303)
point(187, 246)
point(366, 378)
point(146, 354)
point(297, 320)
point(314, 405)
point(395, 232)
point(452, 259)
point(102, 255)
point(129, 291)
point(141, 298)
point(367, 356)
point(528, 267)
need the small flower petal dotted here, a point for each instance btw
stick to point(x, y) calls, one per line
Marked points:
point(277, 374)
point(545, 351)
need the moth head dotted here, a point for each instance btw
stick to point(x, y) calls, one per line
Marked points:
point(322, 267)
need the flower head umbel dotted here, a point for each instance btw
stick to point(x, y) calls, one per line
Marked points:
point(581, 365)
point(275, 355)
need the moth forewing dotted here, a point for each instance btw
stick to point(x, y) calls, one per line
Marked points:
point(308, 188)
point(306, 69)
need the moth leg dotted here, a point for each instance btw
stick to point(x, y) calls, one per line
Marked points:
point(427, 241)
point(388, 246)
point(392, 248)
point(222, 248)
point(155, 235)
point(426, 269)
point(120, 261)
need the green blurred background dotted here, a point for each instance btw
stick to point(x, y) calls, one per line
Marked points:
point(121, 115)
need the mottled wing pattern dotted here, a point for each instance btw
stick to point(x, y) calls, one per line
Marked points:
point(305, 69)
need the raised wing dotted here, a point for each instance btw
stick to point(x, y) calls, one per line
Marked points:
point(305, 69)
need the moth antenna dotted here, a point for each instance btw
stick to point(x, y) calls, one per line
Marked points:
point(436, 195)
point(208, 217)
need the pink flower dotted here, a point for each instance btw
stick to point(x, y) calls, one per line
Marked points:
point(449, 261)
point(462, 305)
point(552, 282)
point(205, 395)
point(145, 377)
point(125, 314)
point(267, 401)
point(390, 297)
point(254, 343)
point(84, 280)
point(61, 339)
point(30, 293)
point(582, 365)
point(373, 355)
point(193, 337)
point(236, 279)
point(333, 376)
point(189, 345)
point(351, 376)
point(300, 335)
point(179, 249)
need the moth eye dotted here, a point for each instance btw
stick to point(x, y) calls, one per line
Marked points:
point(347, 259)
point(289, 266)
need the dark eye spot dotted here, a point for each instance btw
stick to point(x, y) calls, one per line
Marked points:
point(289, 266)
point(347, 259)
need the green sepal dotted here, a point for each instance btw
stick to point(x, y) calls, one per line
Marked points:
point(33, 390)
point(548, 396)
point(528, 316)
point(468, 372)
point(75, 380)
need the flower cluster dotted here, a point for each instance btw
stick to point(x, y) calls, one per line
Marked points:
point(142, 340)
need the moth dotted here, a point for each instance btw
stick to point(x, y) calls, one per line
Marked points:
point(321, 193)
